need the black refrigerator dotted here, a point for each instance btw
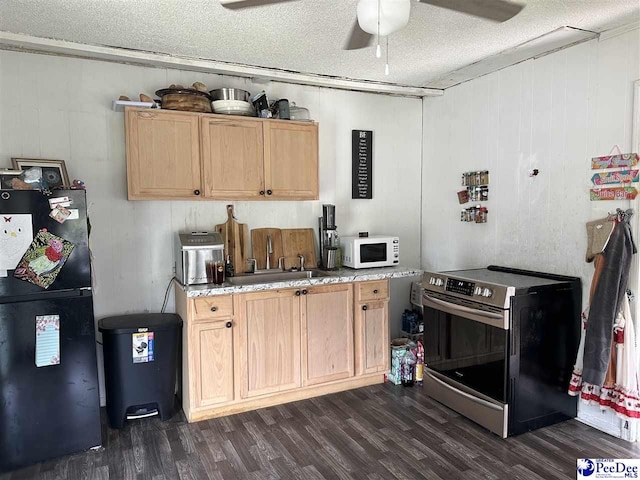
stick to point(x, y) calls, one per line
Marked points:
point(47, 410)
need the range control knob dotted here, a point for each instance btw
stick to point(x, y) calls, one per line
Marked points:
point(478, 291)
point(487, 292)
point(439, 282)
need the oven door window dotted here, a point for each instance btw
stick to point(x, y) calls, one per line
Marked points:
point(469, 352)
point(373, 252)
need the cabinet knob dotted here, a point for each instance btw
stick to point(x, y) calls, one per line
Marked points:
point(228, 324)
point(375, 292)
point(364, 307)
point(196, 192)
point(214, 309)
point(304, 292)
point(297, 293)
point(261, 192)
point(269, 192)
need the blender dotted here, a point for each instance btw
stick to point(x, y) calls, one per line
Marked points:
point(329, 241)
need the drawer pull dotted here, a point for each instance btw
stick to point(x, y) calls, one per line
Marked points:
point(364, 307)
point(196, 192)
point(269, 192)
point(304, 292)
point(228, 324)
point(375, 292)
point(261, 192)
point(214, 309)
point(297, 293)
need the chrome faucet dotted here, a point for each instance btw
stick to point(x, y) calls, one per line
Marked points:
point(255, 263)
point(269, 252)
point(301, 257)
point(281, 263)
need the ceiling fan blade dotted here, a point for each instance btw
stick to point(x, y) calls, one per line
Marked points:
point(240, 4)
point(496, 10)
point(358, 38)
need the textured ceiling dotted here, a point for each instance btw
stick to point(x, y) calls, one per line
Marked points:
point(305, 35)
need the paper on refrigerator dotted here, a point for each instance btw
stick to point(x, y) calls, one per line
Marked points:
point(16, 234)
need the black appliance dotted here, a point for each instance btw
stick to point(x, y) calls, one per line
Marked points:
point(500, 345)
point(53, 410)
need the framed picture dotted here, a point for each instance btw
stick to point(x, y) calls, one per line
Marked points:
point(53, 171)
point(6, 176)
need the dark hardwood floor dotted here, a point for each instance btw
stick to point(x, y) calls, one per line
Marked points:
point(373, 433)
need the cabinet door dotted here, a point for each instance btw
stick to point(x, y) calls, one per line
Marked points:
point(270, 342)
point(232, 153)
point(372, 337)
point(163, 155)
point(291, 160)
point(327, 334)
point(213, 363)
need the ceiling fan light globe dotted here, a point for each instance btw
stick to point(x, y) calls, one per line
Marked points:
point(394, 15)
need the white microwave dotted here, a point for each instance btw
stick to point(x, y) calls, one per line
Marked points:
point(372, 251)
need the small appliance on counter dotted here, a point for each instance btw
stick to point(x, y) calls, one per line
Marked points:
point(329, 242)
point(370, 251)
point(197, 255)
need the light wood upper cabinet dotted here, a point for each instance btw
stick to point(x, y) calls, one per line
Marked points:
point(183, 155)
point(213, 365)
point(232, 155)
point(163, 155)
point(327, 333)
point(291, 160)
point(269, 342)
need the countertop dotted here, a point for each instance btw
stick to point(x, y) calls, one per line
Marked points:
point(344, 275)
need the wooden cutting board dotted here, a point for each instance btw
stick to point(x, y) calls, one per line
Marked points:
point(236, 241)
point(259, 246)
point(299, 241)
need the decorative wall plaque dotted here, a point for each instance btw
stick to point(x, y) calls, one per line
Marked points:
point(361, 164)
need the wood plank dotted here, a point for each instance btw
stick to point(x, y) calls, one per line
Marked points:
point(236, 241)
point(298, 241)
point(259, 246)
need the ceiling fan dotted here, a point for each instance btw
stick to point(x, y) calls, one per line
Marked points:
point(383, 17)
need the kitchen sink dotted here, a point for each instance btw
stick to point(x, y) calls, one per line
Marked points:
point(253, 278)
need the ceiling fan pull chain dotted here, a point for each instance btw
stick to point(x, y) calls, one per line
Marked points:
point(378, 48)
point(386, 67)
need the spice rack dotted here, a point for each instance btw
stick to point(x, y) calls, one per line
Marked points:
point(477, 190)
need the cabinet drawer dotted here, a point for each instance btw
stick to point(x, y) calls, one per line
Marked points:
point(212, 307)
point(378, 290)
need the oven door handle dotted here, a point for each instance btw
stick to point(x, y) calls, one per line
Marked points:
point(453, 308)
point(482, 402)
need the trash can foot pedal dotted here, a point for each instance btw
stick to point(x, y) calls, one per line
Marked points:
point(134, 416)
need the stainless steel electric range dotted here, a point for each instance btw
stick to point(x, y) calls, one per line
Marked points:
point(500, 345)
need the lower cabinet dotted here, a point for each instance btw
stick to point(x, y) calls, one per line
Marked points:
point(372, 340)
point(269, 342)
point(213, 351)
point(327, 333)
point(249, 350)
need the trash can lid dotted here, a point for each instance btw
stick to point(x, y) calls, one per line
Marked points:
point(134, 322)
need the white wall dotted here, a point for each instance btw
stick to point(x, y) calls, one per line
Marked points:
point(56, 107)
point(553, 114)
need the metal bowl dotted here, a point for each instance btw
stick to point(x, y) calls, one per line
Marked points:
point(230, 94)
